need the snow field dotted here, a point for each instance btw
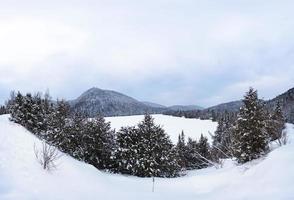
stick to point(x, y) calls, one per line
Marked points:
point(173, 126)
point(21, 176)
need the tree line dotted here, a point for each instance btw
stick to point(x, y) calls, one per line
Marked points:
point(145, 150)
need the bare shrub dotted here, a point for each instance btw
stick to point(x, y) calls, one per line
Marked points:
point(47, 156)
point(283, 139)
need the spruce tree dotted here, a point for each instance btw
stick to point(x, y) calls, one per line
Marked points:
point(182, 152)
point(250, 138)
point(127, 152)
point(16, 109)
point(276, 123)
point(98, 143)
point(221, 144)
point(73, 132)
point(159, 158)
point(204, 152)
point(147, 151)
point(192, 155)
point(58, 122)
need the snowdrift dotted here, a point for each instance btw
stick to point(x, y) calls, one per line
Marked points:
point(22, 177)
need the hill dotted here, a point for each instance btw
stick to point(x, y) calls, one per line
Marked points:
point(232, 106)
point(109, 103)
point(185, 107)
point(287, 102)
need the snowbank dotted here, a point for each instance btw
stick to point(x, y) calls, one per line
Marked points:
point(21, 177)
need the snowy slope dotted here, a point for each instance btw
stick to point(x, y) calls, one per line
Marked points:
point(21, 177)
point(172, 125)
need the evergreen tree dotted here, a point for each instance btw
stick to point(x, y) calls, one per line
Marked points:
point(98, 143)
point(276, 123)
point(250, 138)
point(3, 110)
point(203, 152)
point(159, 158)
point(73, 132)
point(154, 152)
point(194, 162)
point(221, 144)
point(182, 152)
point(127, 153)
point(16, 109)
point(57, 122)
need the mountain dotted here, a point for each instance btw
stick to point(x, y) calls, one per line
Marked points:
point(154, 105)
point(185, 108)
point(109, 103)
point(287, 102)
point(232, 106)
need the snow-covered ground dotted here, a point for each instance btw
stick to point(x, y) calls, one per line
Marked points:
point(21, 176)
point(172, 125)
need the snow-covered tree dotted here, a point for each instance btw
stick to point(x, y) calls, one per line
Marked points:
point(98, 143)
point(57, 122)
point(193, 158)
point(222, 138)
point(182, 152)
point(146, 151)
point(250, 137)
point(127, 152)
point(204, 152)
point(275, 123)
point(16, 108)
point(73, 132)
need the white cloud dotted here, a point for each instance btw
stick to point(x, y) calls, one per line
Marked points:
point(191, 48)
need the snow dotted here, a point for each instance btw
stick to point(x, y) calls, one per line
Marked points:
point(172, 125)
point(21, 176)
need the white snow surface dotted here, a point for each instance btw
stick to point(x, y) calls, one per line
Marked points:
point(173, 126)
point(22, 178)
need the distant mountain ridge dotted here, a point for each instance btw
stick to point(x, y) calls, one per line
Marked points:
point(185, 107)
point(233, 106)
point(154, 105)
point(285, 99)
point(174, 107)
point(111, 103)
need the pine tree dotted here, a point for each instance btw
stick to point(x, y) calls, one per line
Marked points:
point(194, 162)
point(127, 152)
point(73, 132)
point(204, 152)
point(146, 151)
point(3, 110)
point(98, 143)
point(276, 123)
point(57, 122)
point(182, 153)
point(250, 138)
point(159, 158)
point(221, 145)
point(16, 109)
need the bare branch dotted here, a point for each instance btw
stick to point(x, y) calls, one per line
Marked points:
point(47, 156)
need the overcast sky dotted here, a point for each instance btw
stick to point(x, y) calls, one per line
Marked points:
point(165, 51)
